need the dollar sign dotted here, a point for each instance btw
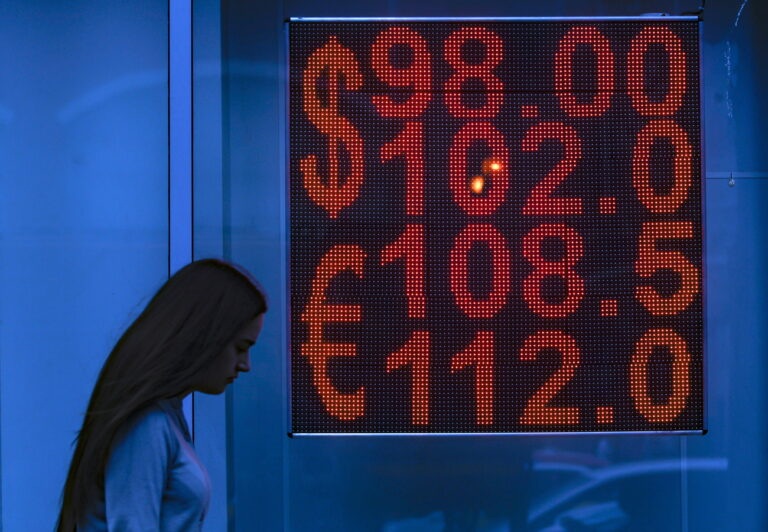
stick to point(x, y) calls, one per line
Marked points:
point(333, 197)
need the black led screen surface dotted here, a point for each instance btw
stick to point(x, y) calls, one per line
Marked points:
point(495, 226)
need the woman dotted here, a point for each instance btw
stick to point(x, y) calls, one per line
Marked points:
point(134, 468)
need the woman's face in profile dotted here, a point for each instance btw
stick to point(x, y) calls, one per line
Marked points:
point(224, 369)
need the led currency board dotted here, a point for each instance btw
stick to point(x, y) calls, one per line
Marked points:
point(495, 226)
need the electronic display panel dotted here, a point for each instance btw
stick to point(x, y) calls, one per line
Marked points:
point(495, 226)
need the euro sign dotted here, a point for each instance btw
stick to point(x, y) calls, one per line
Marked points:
point(341, 66)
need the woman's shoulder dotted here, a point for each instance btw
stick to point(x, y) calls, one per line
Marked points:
point(149, 425)
point(143, 447)
point(151, 414)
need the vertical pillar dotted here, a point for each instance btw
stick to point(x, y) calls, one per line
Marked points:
point(180, 147)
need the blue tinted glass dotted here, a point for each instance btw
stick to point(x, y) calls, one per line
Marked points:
point(631, 483)
point(83, 219)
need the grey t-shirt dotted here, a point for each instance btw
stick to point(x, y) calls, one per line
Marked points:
point(153, 480)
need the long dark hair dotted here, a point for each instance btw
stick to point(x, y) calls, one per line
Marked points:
point(185, 325)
